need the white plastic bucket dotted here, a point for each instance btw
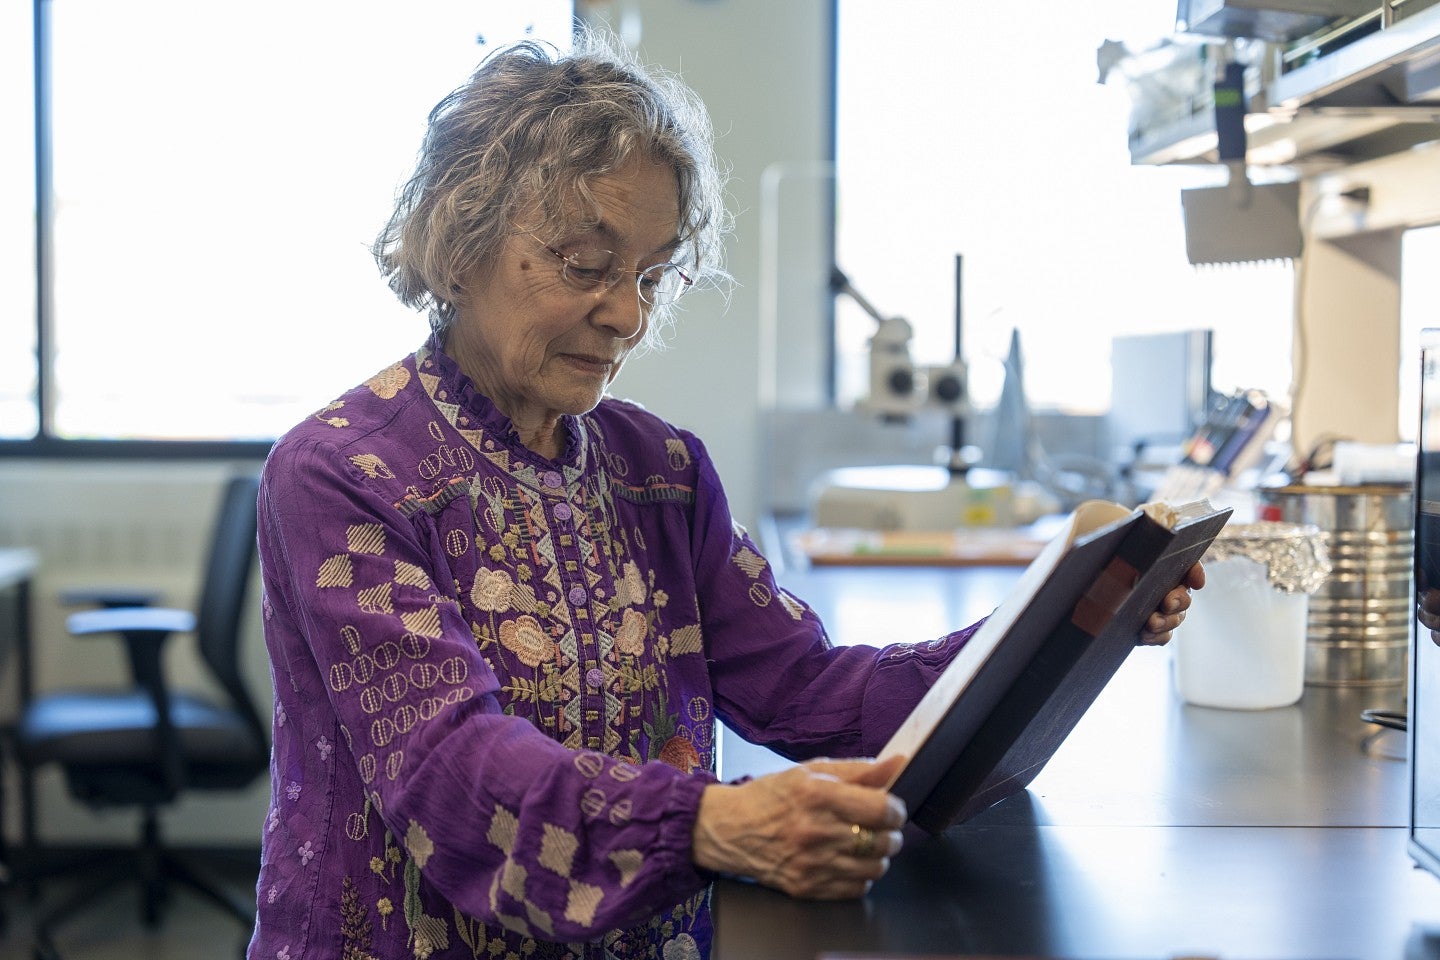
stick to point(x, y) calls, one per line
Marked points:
point(1242, 645)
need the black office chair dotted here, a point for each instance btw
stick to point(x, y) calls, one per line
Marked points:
point(9, 641)
point(145, 744)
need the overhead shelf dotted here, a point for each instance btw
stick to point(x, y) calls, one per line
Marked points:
point(1397, 67)
point(1376, 95)
point(1316, 138)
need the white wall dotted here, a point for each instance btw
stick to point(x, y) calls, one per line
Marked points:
point(763, 70)
point(1348, 341)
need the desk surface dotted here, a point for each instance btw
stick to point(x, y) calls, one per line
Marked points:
point(17, 564)
point(983, 547)
point(1158, 829)
point(1092, 892)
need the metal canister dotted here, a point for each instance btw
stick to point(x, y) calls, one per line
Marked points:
point(1358, 625)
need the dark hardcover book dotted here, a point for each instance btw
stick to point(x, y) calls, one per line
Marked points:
point(1022, 682)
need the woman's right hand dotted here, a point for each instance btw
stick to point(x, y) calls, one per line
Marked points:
point(804, 831)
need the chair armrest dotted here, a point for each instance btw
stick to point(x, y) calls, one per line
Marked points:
point(145, 630)
point(130, 620)
point(109, 597)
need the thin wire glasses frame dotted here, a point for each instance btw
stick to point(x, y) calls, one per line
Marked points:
point(591, 268)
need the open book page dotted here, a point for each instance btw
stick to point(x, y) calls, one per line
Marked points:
point(1087, 519)
point(1172, 515)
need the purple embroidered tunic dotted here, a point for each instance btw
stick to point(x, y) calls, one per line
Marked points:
point(498, 678)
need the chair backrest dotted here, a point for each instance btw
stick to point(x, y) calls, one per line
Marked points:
point(16, 571)
point(224, 590)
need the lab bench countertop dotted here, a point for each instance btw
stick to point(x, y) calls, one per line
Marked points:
point(1159, 829)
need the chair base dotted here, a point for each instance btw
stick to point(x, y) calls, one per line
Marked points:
point(157, 871)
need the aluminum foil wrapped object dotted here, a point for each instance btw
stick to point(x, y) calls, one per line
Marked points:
point(1293, 554)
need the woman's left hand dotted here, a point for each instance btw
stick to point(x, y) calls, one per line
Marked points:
point(1171, 612)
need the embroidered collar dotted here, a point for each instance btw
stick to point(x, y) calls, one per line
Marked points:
point(485, 427)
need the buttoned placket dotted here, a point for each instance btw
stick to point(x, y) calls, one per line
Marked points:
point(582, 608)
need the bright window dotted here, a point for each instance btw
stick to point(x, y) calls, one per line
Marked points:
point(219, 171)
point(17, 224)
point(981, 130)
point(1419, 309)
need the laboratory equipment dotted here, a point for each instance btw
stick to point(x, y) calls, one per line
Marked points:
point(1279, 21)
point(1361, 85)
point(1241, 221)
point(916, 497)
point(1225, 447)
point(911, 496)
point(1358, 623)
point(1160, 391)
point(898, 386)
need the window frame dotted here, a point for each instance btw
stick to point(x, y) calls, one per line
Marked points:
point(45, 444)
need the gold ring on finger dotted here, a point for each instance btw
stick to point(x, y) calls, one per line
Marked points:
point(862, 841)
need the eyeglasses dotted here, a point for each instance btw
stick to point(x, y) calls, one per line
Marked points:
point(588, 268)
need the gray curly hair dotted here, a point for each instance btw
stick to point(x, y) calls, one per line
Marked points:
point(534, 126)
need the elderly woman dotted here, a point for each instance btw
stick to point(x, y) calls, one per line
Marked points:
point(505, 611)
